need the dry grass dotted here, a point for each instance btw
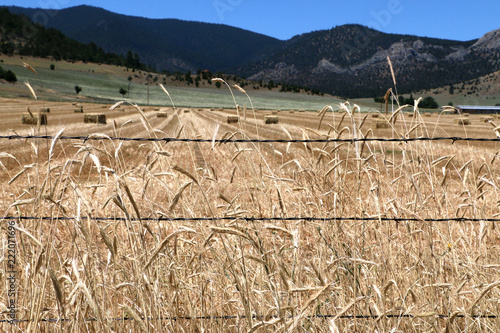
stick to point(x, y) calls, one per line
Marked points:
point(276, 274)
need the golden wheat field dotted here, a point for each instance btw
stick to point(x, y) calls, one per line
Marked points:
point(295, 236)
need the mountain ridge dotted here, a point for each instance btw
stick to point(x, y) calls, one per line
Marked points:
point(349, 60)
point(196, 44)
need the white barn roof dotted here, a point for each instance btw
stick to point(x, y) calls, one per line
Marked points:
point(478, 107)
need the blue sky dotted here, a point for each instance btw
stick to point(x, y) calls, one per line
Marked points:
point(457, 19)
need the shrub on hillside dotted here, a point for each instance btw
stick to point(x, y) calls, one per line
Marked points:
point(8, 75)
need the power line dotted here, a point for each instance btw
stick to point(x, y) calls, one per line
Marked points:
point(167, 140)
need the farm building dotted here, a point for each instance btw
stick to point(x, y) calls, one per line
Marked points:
point(477, 109)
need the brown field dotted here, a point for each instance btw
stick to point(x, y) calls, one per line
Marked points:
point(280, 275)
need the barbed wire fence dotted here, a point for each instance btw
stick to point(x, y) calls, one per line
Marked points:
point(98, 137)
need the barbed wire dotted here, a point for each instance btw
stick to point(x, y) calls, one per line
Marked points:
point(229, 317)
point(254, 219)
point(453, 139)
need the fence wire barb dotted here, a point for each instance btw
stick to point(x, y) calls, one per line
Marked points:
point(229, 317)
point(252, 219)
point(167, 140)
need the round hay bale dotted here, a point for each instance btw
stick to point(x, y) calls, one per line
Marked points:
point(382, 123)
point(292, 111)
point(94, 118)
point(33, 119)
point(232, 119)
point(161, 115)
point(427, 114)
point(271, 119)
point(156, 109)
point(465, 114)
point(410, 115)
point(275, 112)
point(187, 110)
point(462, 121)
point(302, 110)
point(78, 110)
point(375, 115)
point(44, 110)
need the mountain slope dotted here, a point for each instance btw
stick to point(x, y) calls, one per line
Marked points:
point(351, 60)
point(18, 35)
point(164, 44)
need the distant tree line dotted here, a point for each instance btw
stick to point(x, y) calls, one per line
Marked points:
point(20, 36)
point(426, 103)
point(207, 76)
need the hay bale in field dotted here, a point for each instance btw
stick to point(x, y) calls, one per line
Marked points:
point(375, 115)
point(271, 119)
point(292, 111)
point(275, 112)
point(94, 118)
point(32, 119)
point(465, 114)
point(382, 123)
point(212, 109)
point(44, 110)
point(187, 110)
point(162, 115)
point(462, 121)
point(78, 110)
point(156, 109)
point(104, 106)
point(232, 119)
point(486, 119)
point(74, 103)
point(427, 114)
point(302, 110)
point(221, 109)
point(410, 115)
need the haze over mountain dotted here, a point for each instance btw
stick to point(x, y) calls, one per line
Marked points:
point(349, 60)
